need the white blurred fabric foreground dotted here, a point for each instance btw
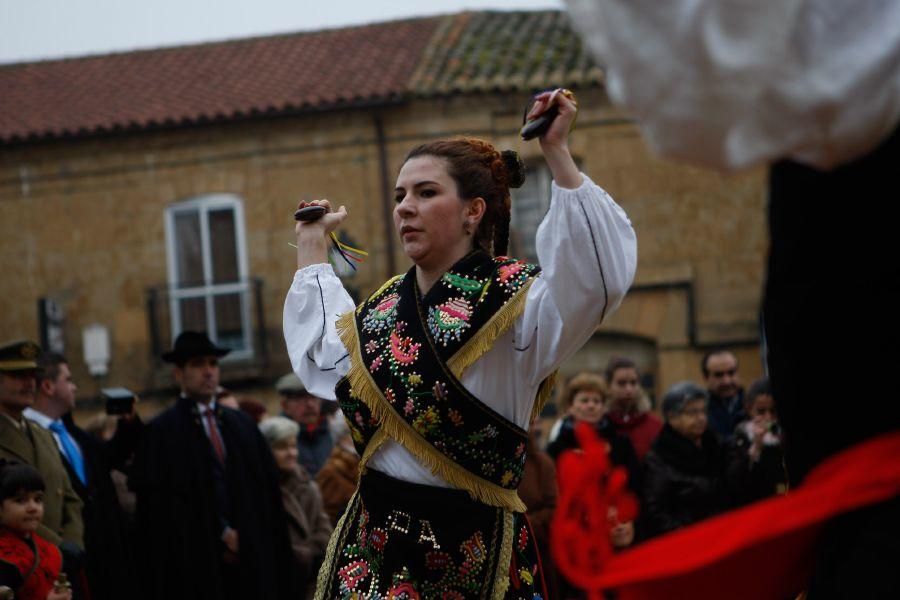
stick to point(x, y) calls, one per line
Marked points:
point(733, 83)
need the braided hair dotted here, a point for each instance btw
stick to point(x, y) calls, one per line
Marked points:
point(480, 170)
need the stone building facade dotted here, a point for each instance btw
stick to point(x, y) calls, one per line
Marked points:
point(147, 224)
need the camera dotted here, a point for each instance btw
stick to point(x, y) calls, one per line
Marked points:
point(119, 400)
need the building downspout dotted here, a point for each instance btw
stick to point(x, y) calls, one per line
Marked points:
point(692, 334)
point(387, 216)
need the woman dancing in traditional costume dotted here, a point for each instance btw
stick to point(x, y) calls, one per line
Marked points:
point(441, 370)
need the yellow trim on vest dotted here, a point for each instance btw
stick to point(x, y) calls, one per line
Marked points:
point(374, 444)
point(501, 577)
point(379, 291)
point(332, 548)
point(485, 337)
point(363, 387)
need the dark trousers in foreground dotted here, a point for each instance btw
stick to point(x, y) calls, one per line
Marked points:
point(832, 322)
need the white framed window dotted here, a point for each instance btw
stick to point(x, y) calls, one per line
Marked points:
point(529, 205)
point(206, 250)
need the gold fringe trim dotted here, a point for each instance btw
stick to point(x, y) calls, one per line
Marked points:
point(373, 445)
point(501, 577)
point(543, 394)
point(485, 337)
point(363, 387)
point(332, 550)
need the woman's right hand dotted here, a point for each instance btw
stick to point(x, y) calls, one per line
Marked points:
point(312, 236)
point(324, 224)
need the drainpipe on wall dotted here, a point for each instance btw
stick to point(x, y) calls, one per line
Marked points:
point(386, 212)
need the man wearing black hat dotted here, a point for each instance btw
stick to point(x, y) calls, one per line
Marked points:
point(210, 522)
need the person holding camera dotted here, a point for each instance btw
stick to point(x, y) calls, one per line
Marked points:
point(756, 470)
point(441, 370)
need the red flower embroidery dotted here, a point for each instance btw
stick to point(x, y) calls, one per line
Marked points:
point(507, 272)
point(352, 573)
point(378, 538)
point(474, 547)
point(523, 538)
point(404, 350)
point(403, 591)
point(455, 417)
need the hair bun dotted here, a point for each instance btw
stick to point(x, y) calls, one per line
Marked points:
point(515, 168)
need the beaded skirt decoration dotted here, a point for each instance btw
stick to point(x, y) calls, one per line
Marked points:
point(406, 541)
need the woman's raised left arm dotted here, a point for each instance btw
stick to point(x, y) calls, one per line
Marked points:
point(588, 253)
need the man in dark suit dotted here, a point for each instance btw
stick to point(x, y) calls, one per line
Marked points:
point(210, 522)
point(23, 441)
point(88, 462)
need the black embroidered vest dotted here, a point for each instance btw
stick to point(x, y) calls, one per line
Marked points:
point(408, 354)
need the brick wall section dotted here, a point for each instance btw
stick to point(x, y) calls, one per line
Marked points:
point(83, 222)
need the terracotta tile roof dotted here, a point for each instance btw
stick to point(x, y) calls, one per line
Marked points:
point(209, 82)
point(504, 51)
point(287, 74)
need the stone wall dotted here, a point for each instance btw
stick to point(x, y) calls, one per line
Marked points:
point(82, 221)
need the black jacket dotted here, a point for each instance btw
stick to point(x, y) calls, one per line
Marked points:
point(109, 562)
point(683, 483)
point(179, 520)
point(621, 451)
point(314, 446)
point(755, 480)
point(724, 414)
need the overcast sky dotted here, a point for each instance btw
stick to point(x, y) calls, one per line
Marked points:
point(41, 29)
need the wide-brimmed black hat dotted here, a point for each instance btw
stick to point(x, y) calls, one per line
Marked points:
point(189, 344)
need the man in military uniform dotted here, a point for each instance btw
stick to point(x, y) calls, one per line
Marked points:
point(23, 441)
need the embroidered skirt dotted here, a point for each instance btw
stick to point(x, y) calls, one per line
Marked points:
point(403, 540)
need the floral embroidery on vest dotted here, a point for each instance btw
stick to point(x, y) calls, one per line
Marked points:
point(405, 341)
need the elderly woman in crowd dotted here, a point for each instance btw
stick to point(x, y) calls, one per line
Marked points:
point(684, 472)
point(308, 524)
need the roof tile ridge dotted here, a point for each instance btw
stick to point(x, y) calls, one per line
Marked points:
point(437, 50)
